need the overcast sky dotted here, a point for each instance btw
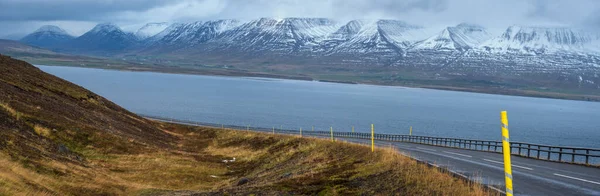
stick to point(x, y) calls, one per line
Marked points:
point(19, 17)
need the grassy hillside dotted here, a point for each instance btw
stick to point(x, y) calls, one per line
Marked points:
point(57, 138)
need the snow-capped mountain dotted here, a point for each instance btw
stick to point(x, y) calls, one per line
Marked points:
point(541, 40)
point(194, 33)
point(48, 36)
point(103, 39)
point(150, 30)
point(356, 43)
point(281, 36)
point(461, 37)
point(374, 36)
point(157, 37)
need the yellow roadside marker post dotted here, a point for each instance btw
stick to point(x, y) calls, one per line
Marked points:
point(352, 129)
point(372, 138)
point(410, 130)
point(300, 131)
point(331, 128)
point(506, 150)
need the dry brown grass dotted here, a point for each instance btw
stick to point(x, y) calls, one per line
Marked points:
point(10, 110)
point(41, 130)
point(275, 164)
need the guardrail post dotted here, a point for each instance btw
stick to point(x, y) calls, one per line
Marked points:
point(506, 148)
point(587, 156)
point(528, 150)
point(573, 156)
point(560, 154)
point(495, 146)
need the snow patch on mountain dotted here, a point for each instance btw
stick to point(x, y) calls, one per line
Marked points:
point(105, 27)
point(167, 31)
point(283, 35)
point(190, 34)
point(150, 30)
point(541, 40)
point(461, 37)
point(51, 29)
point(365, 36)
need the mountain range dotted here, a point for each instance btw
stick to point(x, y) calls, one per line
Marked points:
point(461, 50)
point(316, 36)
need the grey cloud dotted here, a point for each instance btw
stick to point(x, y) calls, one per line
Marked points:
point(132, 13)
point(329, 8)
point(574, 12)
point(50, 10)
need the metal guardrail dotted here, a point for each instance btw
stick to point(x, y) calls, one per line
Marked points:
point(574, 155)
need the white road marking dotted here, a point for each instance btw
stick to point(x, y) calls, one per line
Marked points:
point(427, 149)
point(517, 166)
point(464, 155)
point(574, 178)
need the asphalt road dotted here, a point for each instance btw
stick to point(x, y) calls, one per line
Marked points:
point(530, 176)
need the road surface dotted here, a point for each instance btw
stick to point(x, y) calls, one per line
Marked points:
point(530, 176)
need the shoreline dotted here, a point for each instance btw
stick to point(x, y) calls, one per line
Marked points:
point(238, 73)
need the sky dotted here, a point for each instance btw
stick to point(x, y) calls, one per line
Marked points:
point(20, 17)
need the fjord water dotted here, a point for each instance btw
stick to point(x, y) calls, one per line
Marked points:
point(292, 104)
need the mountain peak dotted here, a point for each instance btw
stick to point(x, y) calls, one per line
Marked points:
point(105, 27)
point(51, 28)
point(104, 39)
point(47, 36)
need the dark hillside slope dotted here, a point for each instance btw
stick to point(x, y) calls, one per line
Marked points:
point(16, 48)
point(45, 116)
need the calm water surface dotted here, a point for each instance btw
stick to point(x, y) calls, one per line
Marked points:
point(295, 104)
